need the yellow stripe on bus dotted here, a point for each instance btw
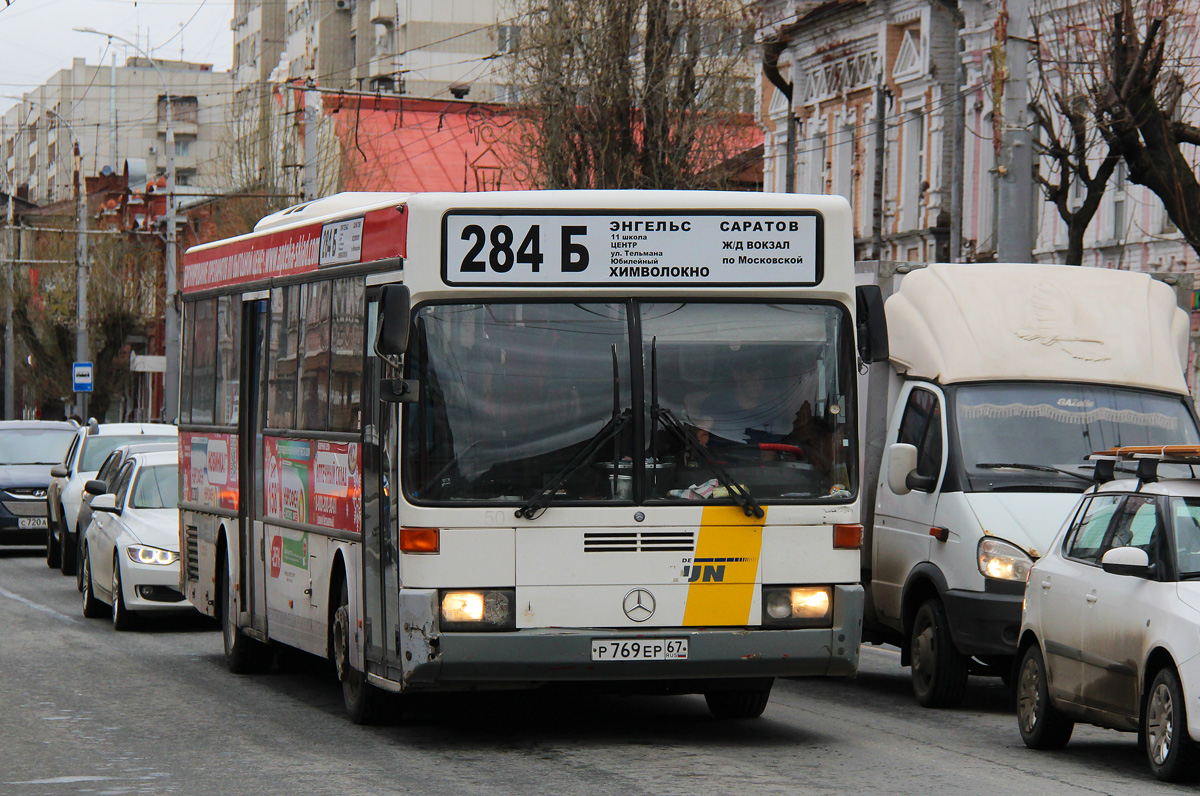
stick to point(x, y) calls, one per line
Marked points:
point(727, 551)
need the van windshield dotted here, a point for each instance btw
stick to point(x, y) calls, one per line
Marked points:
point(1030, 437)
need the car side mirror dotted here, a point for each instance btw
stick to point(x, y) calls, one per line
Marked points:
point(1127, 561)
point(901, 460)
point(59, 471)
point(95, 487)
point(105, 502)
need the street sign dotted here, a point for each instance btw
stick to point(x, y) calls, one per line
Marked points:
point(81, 375)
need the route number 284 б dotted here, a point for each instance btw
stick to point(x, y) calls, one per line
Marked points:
point(497, 250)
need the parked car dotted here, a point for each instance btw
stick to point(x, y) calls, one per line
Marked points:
point(1108, 634)
point(106, 477)
point(92, 443)
point(28, 448)
point(131, 548)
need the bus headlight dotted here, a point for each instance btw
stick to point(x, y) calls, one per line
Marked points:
point(142, 554)
point(484, 609)
point(797, 606)
point(1003, 561)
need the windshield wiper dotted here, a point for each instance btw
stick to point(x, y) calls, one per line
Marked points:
point(1041, 468)
point(681, 432)
point(609, 431)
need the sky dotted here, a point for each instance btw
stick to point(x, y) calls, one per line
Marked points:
point(37, 37)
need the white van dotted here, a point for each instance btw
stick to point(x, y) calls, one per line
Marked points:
point(1002, 379)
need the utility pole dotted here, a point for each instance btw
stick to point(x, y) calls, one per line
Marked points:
point(112, 114)
point(10, 254)
point(81, 276)
point(1015, 245)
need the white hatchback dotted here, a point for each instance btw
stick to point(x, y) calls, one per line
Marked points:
point(131, 547)
point(1109, 630)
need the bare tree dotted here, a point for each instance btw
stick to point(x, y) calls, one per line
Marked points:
point(1077, 160)
point(632, 93)
point(1140, 100)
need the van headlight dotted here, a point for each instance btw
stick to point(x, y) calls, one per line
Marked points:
point(1003, 560)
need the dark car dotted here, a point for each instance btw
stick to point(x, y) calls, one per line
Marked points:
point(105, 477)
point(28, 449)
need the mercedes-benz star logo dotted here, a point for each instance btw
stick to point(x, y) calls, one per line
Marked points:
point(639, 605)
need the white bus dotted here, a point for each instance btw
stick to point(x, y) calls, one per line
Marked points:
point(501, 440)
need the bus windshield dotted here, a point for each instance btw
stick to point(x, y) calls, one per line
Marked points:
point(522, 397)
point(1008, 431)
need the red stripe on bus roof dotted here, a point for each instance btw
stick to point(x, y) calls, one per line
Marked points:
point(289, 251)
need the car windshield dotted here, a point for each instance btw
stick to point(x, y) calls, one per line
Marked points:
point(1013, 436)
point(97, 447)
point(34, 445)
point(1185, 530)
point(156, 487)
point(518, 399)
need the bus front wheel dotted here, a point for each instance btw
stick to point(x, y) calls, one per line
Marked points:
point(739, 703)
point(243, 655)
point(365, 703)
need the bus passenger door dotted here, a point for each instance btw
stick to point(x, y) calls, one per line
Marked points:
point(380, 576)
point(250, 474)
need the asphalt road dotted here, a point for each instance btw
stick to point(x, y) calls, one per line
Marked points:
point(84, 709)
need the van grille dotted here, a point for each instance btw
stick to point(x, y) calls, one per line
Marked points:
point(639, 542)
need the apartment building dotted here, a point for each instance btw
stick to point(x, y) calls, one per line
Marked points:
point(117, 113)
point(438, 49)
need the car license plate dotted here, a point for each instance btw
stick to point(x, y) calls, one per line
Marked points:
point(648, 649)
point(31, 522)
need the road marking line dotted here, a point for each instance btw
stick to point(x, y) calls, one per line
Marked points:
point(36, 606)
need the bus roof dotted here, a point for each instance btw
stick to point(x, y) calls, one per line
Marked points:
point(350, 228)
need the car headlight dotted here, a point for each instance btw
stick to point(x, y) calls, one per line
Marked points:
point(141, 554)
point(797, 606)
point(1003, 561)
point(483, 609)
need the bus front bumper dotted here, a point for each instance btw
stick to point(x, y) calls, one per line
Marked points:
point(565, 655)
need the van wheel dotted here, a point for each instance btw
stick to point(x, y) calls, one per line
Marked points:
point(243, 655)
point(79, 561)
point(1170, 749)
point(939, 670)
point(738, 703)
point(69, 550)
point(365, 703)
point(1042, 725)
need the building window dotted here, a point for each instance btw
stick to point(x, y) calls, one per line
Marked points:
point(508, 38)
point(184, 110)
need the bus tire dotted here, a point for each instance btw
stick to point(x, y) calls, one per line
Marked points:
point(365, 703)
point(939, 670)
point(243, 655)
point(738, 703)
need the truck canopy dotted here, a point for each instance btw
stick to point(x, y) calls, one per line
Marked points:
point(985, 322)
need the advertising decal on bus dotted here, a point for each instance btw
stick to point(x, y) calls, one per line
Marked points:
point(210, 468)
point(297, 250)
point(318, 483)
point(606, 248)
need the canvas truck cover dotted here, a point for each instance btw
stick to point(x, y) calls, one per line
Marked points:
point(983, 322)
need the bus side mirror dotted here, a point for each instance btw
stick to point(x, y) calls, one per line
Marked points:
point(391, 337)
point(872, 324)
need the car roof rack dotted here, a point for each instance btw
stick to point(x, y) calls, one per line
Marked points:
point(1148, 458)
